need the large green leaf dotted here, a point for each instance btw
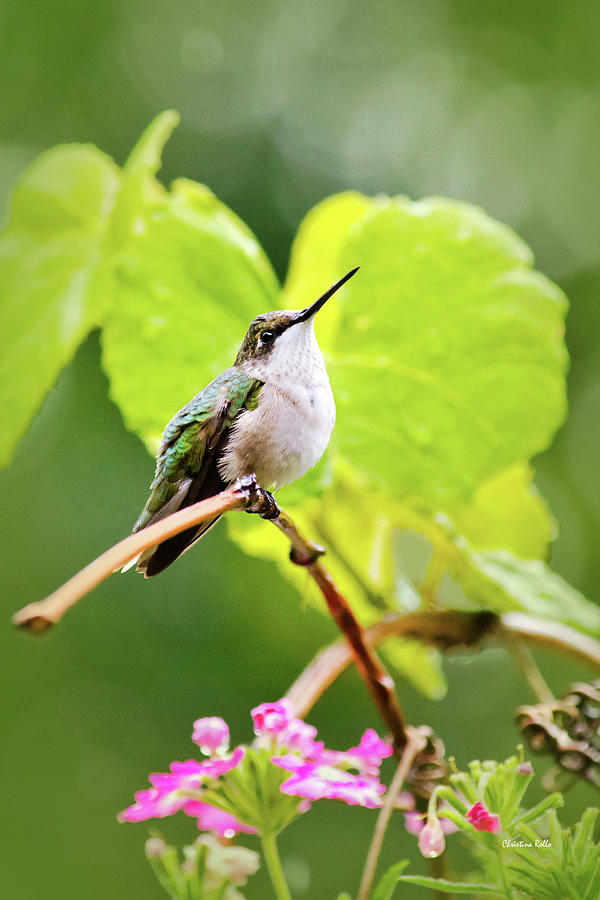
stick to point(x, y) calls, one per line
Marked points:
point(448, 363)
point(52, 280)
point(507, 512)
point(184, 289)
point(315, 260)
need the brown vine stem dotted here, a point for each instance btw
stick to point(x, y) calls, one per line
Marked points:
point(42, 615)
point(416, 741)
point(379, 682)
point(244, 494)
point(443, 629)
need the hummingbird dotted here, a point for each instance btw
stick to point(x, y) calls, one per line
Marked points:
point(270, 414)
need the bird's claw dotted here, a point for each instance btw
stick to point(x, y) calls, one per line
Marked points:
point(260, 501)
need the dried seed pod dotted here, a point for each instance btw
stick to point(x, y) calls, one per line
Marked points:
point(568, 729)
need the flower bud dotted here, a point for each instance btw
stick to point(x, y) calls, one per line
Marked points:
point(156, 848)
point(431, 838)
point(272, 718)
point(482, 819)
point(211, 734)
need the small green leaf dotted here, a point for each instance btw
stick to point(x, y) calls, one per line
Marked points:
point(553, 801)
point(138, 176)
point(52, 285)
point(389, 880)
point(500, 581)
point(449, 887)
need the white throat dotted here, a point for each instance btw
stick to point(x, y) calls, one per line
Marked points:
point(295, 358)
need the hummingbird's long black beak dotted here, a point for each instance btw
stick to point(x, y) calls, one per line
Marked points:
point(307, 313)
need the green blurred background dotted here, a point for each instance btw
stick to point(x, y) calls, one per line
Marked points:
point(281, 104)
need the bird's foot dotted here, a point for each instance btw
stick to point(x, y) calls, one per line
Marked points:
point(267, 505)
point(260, 501)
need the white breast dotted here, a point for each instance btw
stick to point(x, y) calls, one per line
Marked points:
point(290, 428)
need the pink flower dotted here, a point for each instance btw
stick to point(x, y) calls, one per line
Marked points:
point(431, 838)
point(211, 734)
point(300, 737)
point(370, 752)
point(315, 781)
point(525, 768)
point(272, 718)
point(413, 821)
point(152, 804)
point(482, 819)
point(170, 790)
point(316, 772)
point(209, 818)
point(191, 774)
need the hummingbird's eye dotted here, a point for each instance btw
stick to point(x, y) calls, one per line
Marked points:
point(267, 337)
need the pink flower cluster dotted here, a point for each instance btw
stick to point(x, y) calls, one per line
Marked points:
point(482, 819)
point(316, 772)
point(319, 773)
point(170, 792)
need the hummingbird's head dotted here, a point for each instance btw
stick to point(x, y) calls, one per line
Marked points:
point(271, 330)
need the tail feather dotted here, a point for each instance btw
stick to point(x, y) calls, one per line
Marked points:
point(156, 559)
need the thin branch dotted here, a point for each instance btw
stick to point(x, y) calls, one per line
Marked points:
point(443, 629)
point(522, 656)
point(40, 616)
point(378, 680)
point(416, 741)
point(244, 494)
point(553, 636)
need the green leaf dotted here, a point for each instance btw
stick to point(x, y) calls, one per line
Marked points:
point(139, 184)
point(389, 880)
point(500, 581)
point(184, 289)
point(52, 288)
point(449, 887)
point(448, 363)
point(507, 512)
point(553, 801)
point(315, 257)
point(355, 541)
point(420, 664)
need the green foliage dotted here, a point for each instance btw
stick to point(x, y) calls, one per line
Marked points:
point(251, 793)
point(186, 277)
point(448, 887)
point(387, 885)
point(507, 511)
point(52, 275)
point(446, 325)
point(445, 353)
point(543, 861)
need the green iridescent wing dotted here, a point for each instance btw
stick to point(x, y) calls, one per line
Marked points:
point(186, 463)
